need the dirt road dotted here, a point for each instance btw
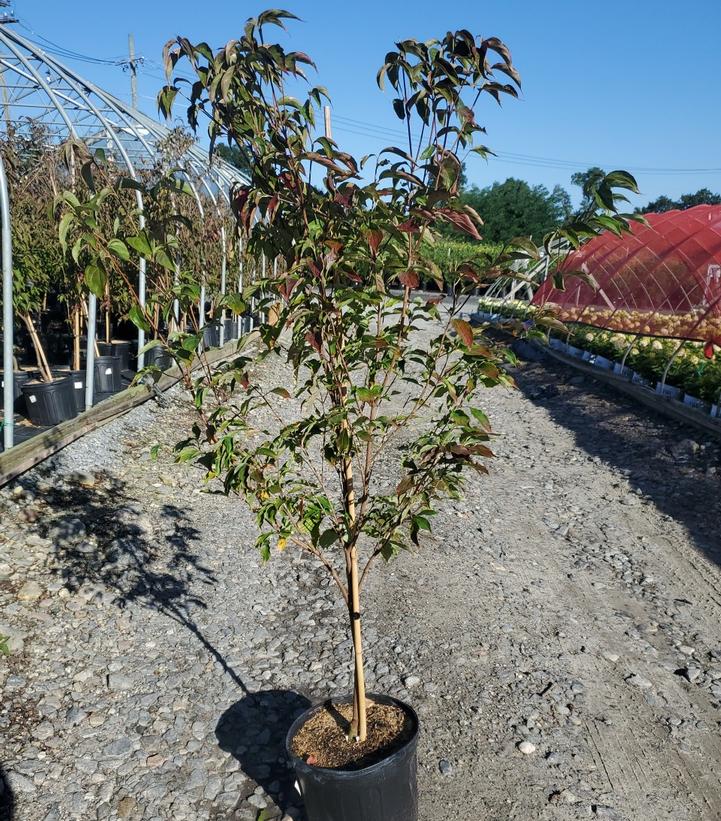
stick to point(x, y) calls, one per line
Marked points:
point(571, 602)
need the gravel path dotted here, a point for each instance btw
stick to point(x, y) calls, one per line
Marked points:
point(559, 635)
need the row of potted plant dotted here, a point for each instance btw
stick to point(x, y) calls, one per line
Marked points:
point(51, 283)
point(684, 370)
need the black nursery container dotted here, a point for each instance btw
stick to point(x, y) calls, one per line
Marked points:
point(78, 380)
point(107, 374)
point(385, 791)
point(231, 329)
point(49, 403)
point(122, 348)
point(211, 335)
point(160, 357)
point(19, 379)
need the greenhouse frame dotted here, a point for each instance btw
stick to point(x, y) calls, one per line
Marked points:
point(35, 86)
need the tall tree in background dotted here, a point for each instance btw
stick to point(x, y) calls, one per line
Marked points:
point(588, 181)
point(233, 155)
point(703, 196)
point(513, 208)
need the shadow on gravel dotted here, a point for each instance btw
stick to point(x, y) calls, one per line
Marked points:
point(664, 460)
point(101, 536)
point(253, 730)
point(7, 799)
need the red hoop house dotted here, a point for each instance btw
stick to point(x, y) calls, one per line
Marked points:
point(662, 279)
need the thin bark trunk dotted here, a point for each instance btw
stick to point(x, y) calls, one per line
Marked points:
point(108, 336)
point(76, 337)
point(45, 372)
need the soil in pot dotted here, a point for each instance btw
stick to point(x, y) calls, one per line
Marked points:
point(323, 741)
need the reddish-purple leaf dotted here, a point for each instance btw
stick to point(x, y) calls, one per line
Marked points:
point(409, 279)
point(464, 331)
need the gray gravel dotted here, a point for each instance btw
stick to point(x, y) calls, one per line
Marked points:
point(558, 634)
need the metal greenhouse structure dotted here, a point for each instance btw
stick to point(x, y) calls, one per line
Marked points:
point(35, 86)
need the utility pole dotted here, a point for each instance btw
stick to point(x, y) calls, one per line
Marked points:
point(132, 65)
point(326, 116)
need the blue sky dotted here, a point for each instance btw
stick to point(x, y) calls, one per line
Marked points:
point(631, 84)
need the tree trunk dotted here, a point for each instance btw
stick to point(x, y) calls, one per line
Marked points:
point(76, 337)
point(108, 335)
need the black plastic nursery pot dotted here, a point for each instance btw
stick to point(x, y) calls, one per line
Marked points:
point(160, 357)
point(123, 349)
point(107, 374)
point(19, 379)
point(231, 329)
point(78, 380)
point(384, 791)
point(49, 403)
point(211, 335)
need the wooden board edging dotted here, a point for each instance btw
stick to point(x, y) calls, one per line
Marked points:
point(30, 453)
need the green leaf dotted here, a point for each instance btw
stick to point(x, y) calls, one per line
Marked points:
point(162, 258)
point(154, 343)
point(154, 451)
point(166, 98)
point(137, 316)
point(65, 223)
point(140, 244)
point(422, 523)
point(327, 538)
point(95, 280)
point(119, 248)
point(187, 454)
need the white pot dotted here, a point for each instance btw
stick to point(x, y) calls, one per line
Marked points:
point(668, 391)
point(715, 411)
point(637, 379)
point(602, 362)
point(693, 401)
point(622, 370)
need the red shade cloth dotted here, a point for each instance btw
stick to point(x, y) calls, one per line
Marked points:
point(662, 279)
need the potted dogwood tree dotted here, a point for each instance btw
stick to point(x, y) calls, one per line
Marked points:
point(342, 238)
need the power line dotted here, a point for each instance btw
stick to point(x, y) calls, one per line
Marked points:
point(365, 129)
point(68, 54)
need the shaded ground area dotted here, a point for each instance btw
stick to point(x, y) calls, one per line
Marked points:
point(572, 602)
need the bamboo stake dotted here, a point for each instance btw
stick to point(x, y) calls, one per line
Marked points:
point(359, 725)
point(45, 371)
